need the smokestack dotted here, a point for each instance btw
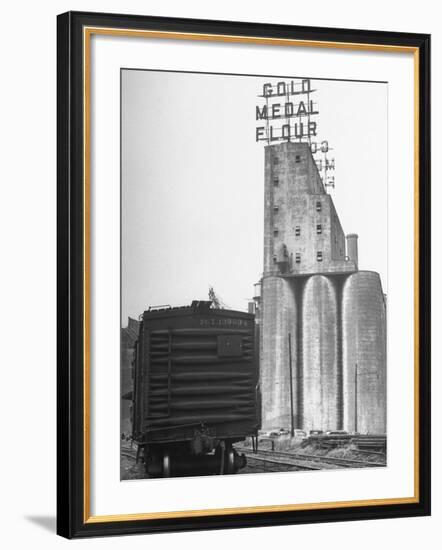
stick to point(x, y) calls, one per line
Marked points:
point(352, 248)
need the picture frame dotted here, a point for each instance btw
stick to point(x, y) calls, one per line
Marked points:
point(75, 517)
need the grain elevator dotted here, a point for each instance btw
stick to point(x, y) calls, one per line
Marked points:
point(322, 321)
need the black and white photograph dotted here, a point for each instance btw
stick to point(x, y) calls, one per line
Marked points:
point(254, 282)
point(243, 270)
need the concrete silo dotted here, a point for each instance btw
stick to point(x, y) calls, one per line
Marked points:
point(279, 316)
point(320, 362)
point(364, 353)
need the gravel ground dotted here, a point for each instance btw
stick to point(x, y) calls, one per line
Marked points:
point(130, 470)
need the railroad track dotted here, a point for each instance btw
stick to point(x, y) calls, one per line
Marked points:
point(315, 458)
point(276, 462)
point(362, 441)
point(128, 454)
point(342, 461)
point(257, 461)
point(364, 451)
point(283, 461)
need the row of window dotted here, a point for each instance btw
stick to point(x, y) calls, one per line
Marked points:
point(297, 159)
point(318, 257)
point(318, 203)
point(318, 229)
point(298, 257)
point(298, 230)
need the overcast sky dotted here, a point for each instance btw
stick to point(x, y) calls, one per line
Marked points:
point(193, 182)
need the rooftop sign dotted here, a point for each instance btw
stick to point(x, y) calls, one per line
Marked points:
point(288, 113)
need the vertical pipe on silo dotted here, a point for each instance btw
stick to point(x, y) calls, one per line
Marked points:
point(352, 248)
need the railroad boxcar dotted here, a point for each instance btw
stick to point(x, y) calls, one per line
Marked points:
point(196, 389)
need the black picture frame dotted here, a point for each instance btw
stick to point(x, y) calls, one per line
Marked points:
point(72, 515)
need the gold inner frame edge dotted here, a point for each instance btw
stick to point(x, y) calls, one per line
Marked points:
point(87, 33)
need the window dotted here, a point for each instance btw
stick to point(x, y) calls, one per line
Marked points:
point(275, 182)
point(298, 158)
point(275, 209)
point(297, 230)
point(318, 206)
point(275, 160)
point(298, 258)
point(319, 256)
point(275, 232)
point(318, 228)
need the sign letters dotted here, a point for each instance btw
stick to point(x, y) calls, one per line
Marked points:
point(287, 113)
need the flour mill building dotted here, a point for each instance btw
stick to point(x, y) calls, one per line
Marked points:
point(322, 320)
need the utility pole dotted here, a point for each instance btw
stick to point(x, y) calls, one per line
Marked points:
point(356, 397)
point(292, 427)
